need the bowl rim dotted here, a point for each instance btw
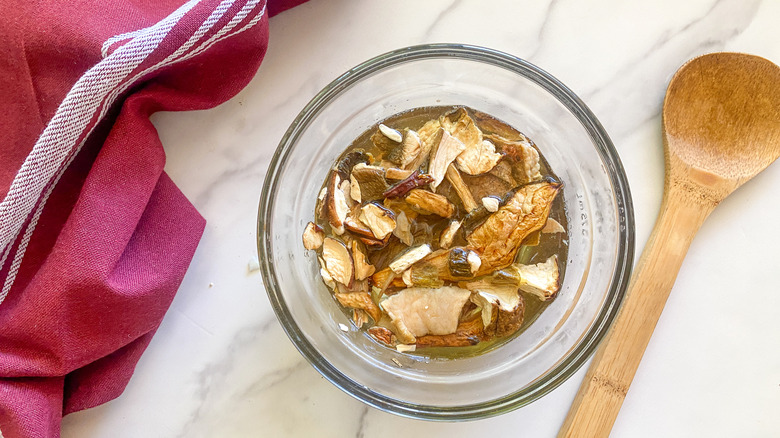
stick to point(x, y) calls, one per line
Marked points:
point(579, 354)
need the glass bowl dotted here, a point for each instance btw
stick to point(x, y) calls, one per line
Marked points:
point(596, 198)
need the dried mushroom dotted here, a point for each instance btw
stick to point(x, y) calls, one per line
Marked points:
point(360, 300)
point(426, 202)
point(444, 154)
point(426, 226)
point(313, 236)
point(403, 229)
point(370, 180)
point(410, 148)
point(500, 236)
point(448, 235)
point(521, 151)
point(460, 187)
point(410, 257)
point(478, 159)
point(541, 279)
point(338, 262)
point(336, 205)
point(379, 219)
point(390, 133)
point(363, 269)
point(421, 311)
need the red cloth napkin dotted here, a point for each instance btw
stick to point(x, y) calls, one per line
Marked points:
point(94, 236)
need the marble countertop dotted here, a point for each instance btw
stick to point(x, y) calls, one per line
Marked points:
point(220, 364)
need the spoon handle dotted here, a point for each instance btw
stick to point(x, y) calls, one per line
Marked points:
point(606, 383)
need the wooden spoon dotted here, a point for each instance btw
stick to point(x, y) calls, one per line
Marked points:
point(721, 121)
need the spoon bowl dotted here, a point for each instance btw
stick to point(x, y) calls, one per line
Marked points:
point(721, 121)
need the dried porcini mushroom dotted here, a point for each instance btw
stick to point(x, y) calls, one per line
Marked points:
point(338, 262)
point(422, 311)
point(360, 300)
point(541, 279)
point(312, 236)
point(363, 269)
point(491, 203)
point(448, 235)
point(383, 270)
point(479, 158)
point(410, 148)
point(426, 202)
point(390, 133)
point(397, 174)
point(521, 151)
point(444, 154)
point(403, 229)
point(371, 181)
point(382, 335)
point(453, 176)
point(406, 185)
point(359, 317)
point(468, 332)
point(410, 257)
point(349, 161)
point(336, 204)
point(499, 237)
point(459, 265)
point(379, 219)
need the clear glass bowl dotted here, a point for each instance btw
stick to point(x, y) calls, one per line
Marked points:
point(596, 196)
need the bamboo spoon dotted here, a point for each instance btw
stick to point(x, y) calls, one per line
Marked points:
point(721, 121)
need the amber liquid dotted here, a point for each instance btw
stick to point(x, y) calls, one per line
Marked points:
point(549, 243)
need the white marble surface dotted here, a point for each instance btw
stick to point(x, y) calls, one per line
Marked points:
point(221, 365)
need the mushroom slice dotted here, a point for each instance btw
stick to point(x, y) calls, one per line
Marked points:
point(410, 257)
point(379, 219)
point(491, 203)
point(370, 180)
point(403, 229)
point(459, 124)
point(383, 335)
point(468, 332)
point(541, 279)
point(499, 237)
point(552, 226)
point(478, 158)
point(338, 262)
point(390, 133)
point(508, 322)
point(397, 174)
point(359, 317)
point(448, 149)
point(486, 303)
point(360, 300)
point(312, 236)
point(363, 269)
point(430, 203)
point(354, 189)
point(448, 235)
point(520, 151)
point(504, 294)
point(336, 204)
point(346, 189)
point(430, 135)
point(420, 311)
point(411, 148)
point(326, 277)
point(453, 176)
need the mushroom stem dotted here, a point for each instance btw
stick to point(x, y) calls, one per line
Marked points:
point(453, 176)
